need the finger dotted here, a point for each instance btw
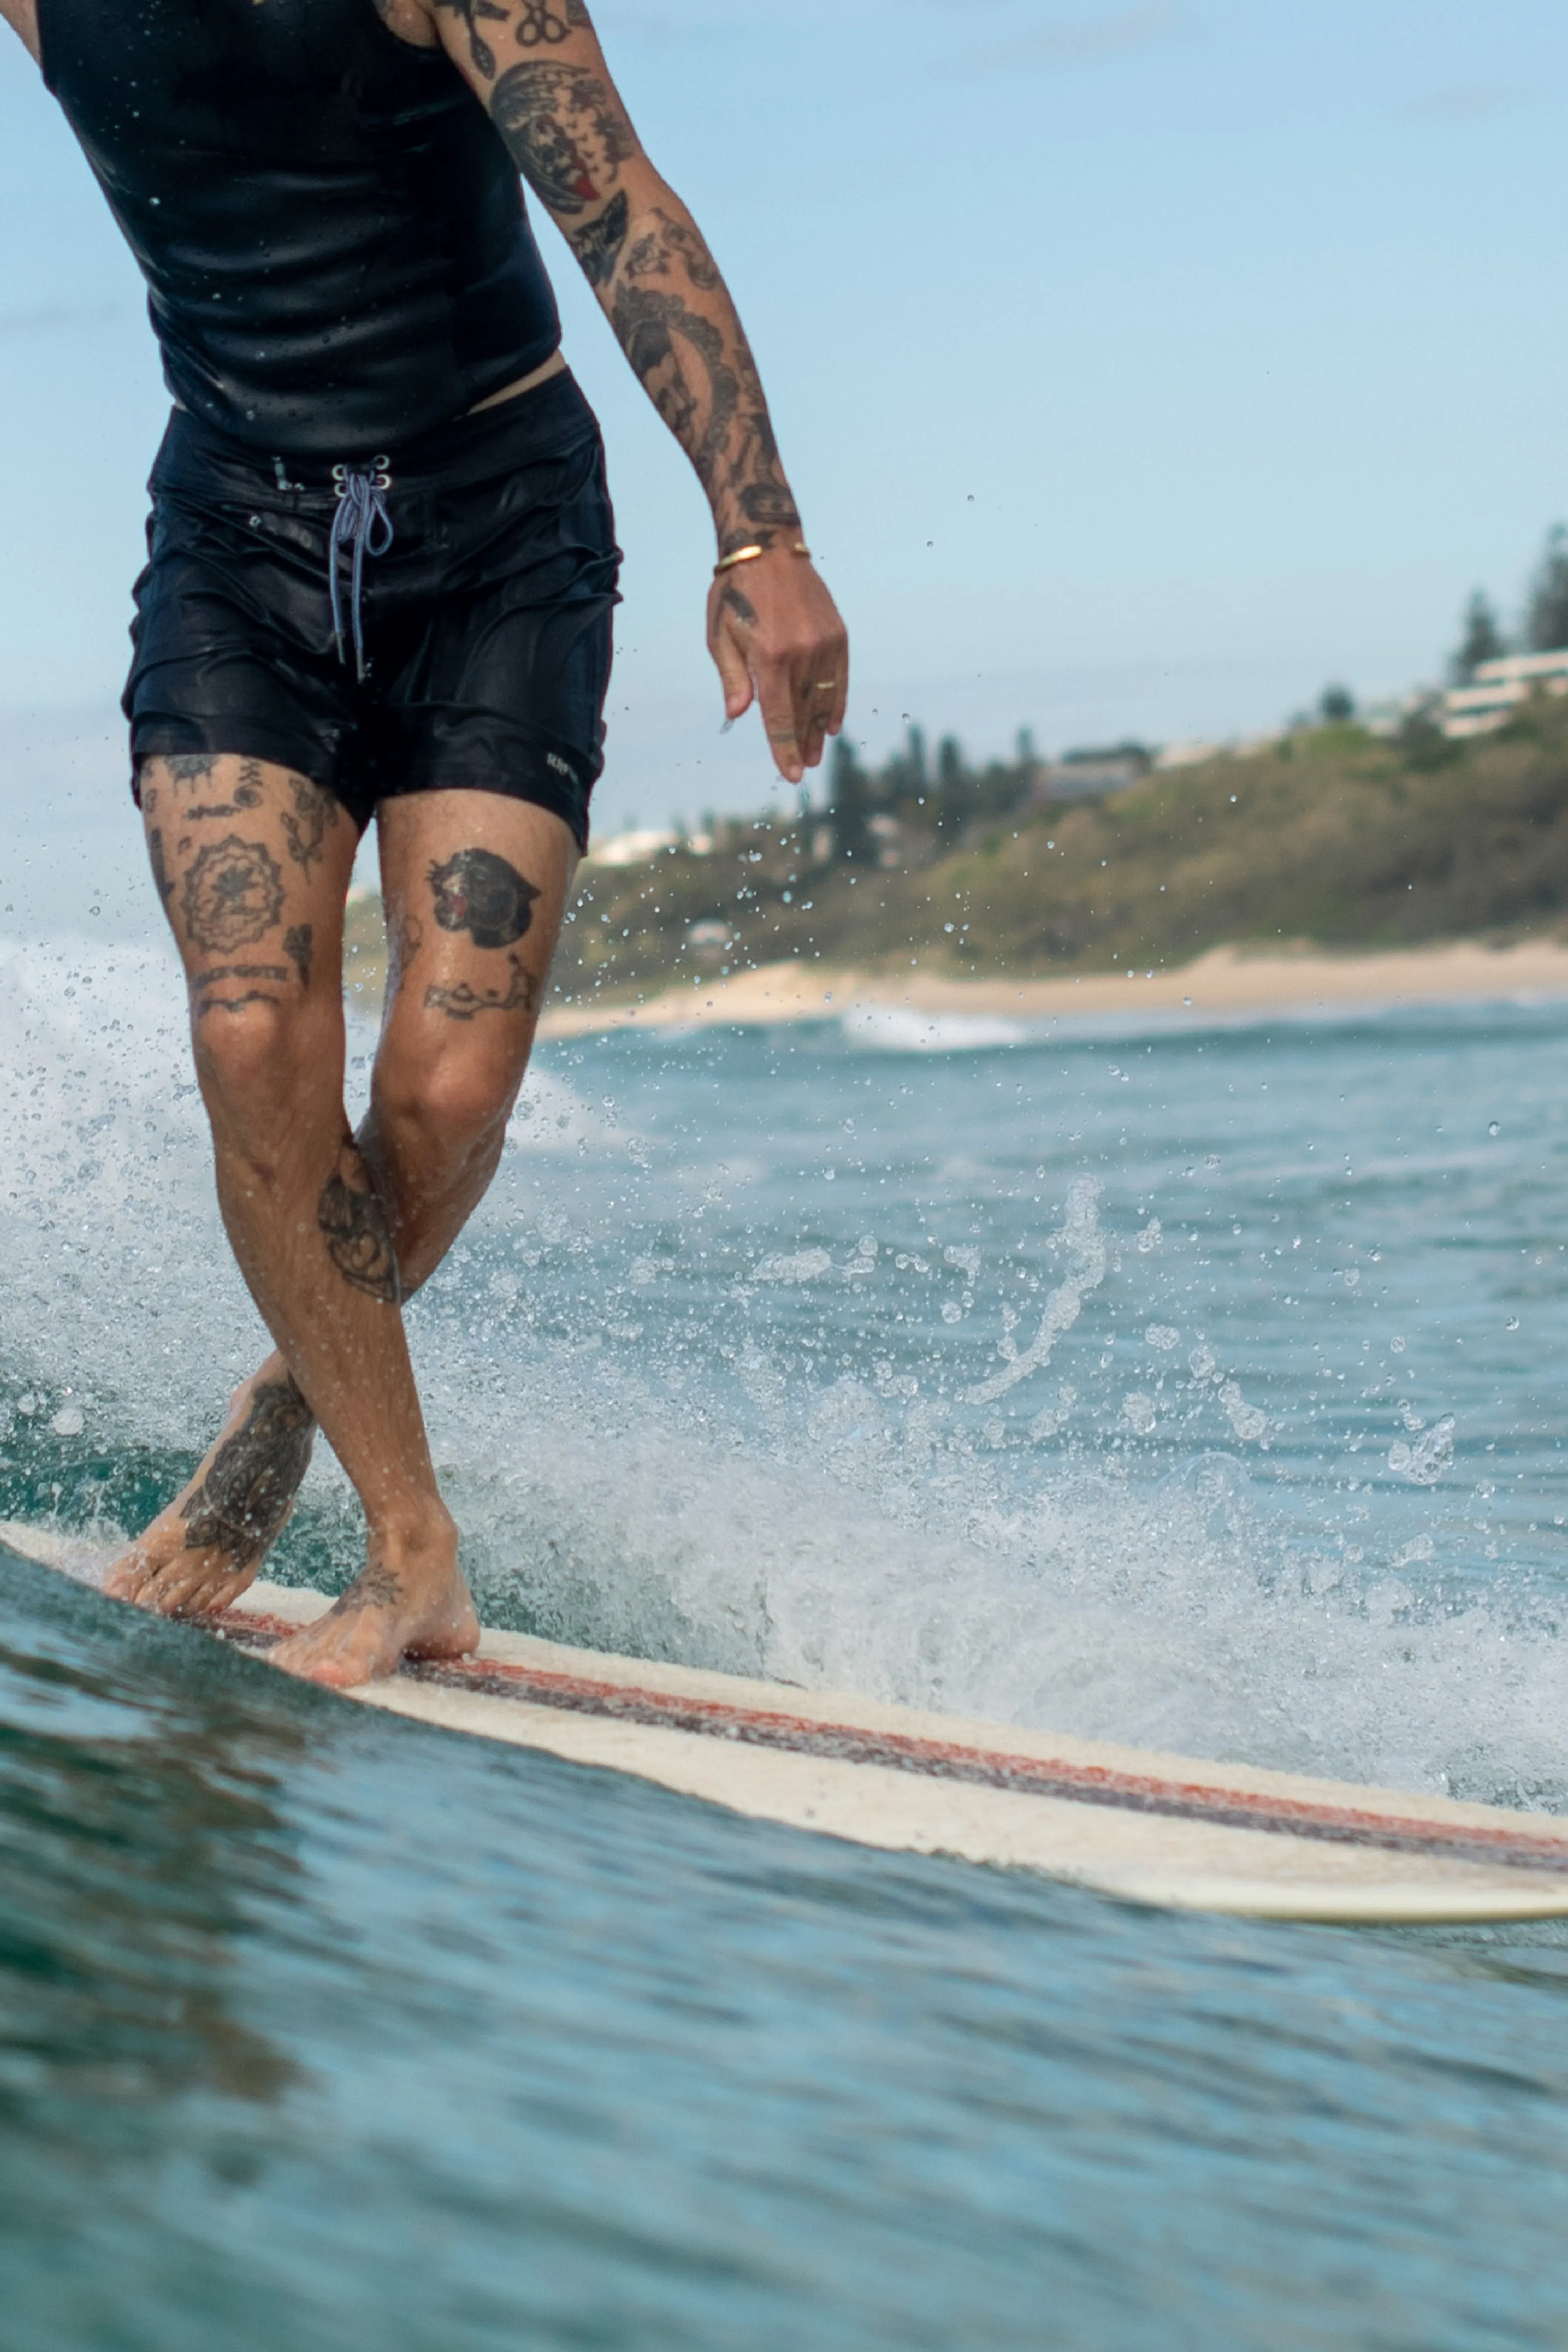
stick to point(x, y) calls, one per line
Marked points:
point(776, 697)
point(730, 660)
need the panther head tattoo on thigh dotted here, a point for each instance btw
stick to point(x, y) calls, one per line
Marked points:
point(478, 892)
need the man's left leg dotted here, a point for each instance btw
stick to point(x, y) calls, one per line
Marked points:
point(475, 887)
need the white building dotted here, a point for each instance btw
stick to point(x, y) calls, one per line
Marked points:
point(1497, 690)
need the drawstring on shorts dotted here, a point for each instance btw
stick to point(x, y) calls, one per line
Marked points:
point(362, 526)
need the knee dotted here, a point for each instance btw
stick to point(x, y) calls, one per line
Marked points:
point(450, 1103)
point(254, 1052)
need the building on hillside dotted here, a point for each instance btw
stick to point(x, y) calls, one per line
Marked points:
point(1086, 775)
point(1497, 690)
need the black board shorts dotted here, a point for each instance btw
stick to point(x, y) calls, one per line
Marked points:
point(484, 615)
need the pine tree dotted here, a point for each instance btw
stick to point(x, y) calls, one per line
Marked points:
point(848, 806)
point(1483, 640)
point(1546, 625)
point(954, 793)
point(1336, 705)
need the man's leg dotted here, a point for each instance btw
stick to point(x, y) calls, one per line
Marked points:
point(459, 869)
point(254, 866)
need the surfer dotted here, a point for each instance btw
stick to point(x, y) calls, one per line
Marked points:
point(380, 579)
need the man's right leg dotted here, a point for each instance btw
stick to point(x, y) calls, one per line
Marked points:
point(256, 896)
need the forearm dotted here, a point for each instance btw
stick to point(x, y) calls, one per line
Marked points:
point(672, 315)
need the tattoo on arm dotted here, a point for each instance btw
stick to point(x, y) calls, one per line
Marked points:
point(479, 50)
point(564, 132)
point(598, 245)
point(233, 895)
point(243, 1502)
point(465, 1002)
point(354, 1221)
point(478, 892)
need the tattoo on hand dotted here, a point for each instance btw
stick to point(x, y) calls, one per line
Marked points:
point(297, 947)
point(565, 133)
point(598, 246)
point(478, 892)
point(233, 895)
point(359, 1240)
point(465, 1002)
point(243, 1502)
point(314, 814)
point(743, 609)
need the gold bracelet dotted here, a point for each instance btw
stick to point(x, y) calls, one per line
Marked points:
point(750, 555)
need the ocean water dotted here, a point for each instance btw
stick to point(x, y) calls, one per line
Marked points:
point(1199, 1387)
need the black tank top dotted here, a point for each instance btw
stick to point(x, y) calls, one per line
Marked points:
point(331, 230)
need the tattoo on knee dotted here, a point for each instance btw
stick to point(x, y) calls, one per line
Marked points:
point(465, 1002)
point(243, 1502)
point(478, 892)
point(314, 814)
point(225, 975)
point(233, 895)
point(298, 948)
point(354, 1221)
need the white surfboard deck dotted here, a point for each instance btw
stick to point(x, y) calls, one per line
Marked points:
point(1152, 1829)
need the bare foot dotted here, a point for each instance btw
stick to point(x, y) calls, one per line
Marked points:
point(202, 1552)
point(419, 1608)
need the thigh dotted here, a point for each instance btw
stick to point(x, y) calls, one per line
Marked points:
point(252, 864)
point(475, 885)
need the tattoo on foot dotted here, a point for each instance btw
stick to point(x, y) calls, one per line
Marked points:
point(297, 947)
point(598, 246)
point(243, 1502)
point(373, 1588)
point(563, 129)
point(233, 895)
point(478, 892)
point(465, 1002)
point(354, 1221)
point(312, 817)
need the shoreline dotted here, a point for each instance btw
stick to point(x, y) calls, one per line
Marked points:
point(1225, 983)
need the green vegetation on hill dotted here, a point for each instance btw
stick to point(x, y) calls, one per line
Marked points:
point(1329, 837)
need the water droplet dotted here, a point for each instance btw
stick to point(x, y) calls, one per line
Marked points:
point(1496, 1127)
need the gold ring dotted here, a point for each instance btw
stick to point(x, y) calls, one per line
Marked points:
point(825, 686)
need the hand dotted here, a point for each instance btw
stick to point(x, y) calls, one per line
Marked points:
point(776, 638)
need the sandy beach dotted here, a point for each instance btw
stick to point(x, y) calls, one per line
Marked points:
point(1228, 982)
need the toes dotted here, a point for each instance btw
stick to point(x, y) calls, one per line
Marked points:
point(127, 1580)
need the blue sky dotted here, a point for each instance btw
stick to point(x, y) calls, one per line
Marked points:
point(1139, 367)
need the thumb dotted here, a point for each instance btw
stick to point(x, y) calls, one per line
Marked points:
point(734, 671)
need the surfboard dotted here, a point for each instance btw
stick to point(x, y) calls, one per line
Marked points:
point(1167, 1830)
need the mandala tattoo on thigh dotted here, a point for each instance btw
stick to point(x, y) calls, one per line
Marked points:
point(353, 1222)
point(233, 895)
point(478, 892)
point(242, 1504)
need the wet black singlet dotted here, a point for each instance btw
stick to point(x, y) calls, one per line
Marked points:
point(332, 231)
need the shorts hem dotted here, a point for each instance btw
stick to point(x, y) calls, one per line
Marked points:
point(570, 807)
point(238, 739)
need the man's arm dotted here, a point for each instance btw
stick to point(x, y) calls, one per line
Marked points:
point(21, 15)
point(538, 68)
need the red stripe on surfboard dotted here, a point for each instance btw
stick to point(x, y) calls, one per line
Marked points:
point(1091, 1784)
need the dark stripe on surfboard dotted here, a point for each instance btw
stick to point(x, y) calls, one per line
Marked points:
point(943, 1759)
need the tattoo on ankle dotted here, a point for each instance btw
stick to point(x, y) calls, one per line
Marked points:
point(354, 1221)
point(464, 1001)
point(478, 892)
point(233, 895)
point(243, 1502)
point(297, 947)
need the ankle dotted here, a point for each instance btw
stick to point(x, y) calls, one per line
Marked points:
point(415, 1536)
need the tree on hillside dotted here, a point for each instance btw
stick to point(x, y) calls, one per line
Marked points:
point(1483, 640)
point(1337, 704)
point(849, 806)
point(1546, 623)
point(954, 790)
